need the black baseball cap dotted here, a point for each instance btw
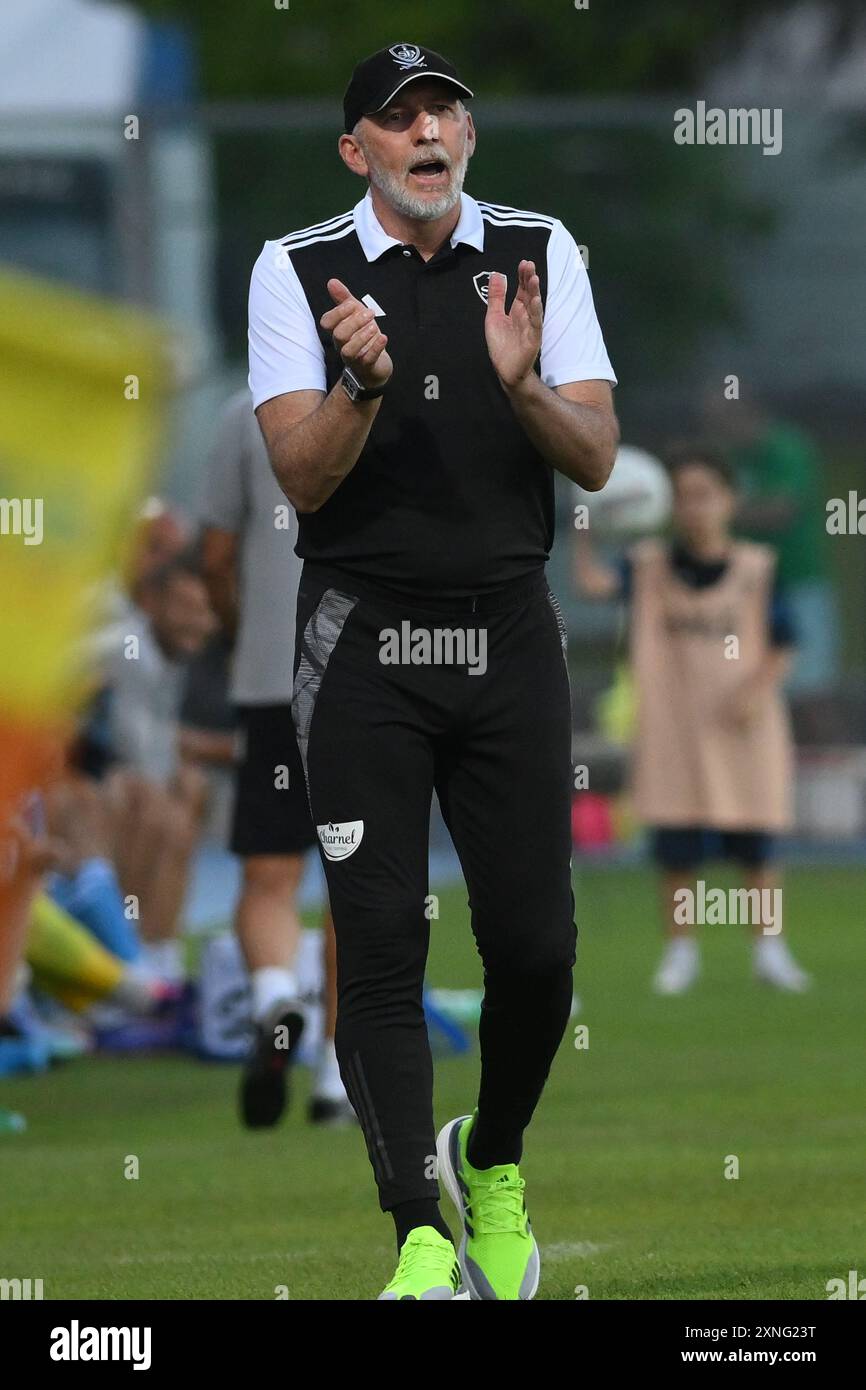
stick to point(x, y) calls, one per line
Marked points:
point(378, 78)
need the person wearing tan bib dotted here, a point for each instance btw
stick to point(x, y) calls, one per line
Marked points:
point(712, 762)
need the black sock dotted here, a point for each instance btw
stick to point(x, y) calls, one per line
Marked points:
point(515, 1061)
point(423, 1211)
point(490, 1145)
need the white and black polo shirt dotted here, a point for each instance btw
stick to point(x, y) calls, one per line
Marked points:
point(448, 495)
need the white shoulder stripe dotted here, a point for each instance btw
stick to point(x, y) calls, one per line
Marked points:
point(330, 236)
point(506, 207)
point(317, 227)
point(503, 212)
point(495, 220)
point(515, 222)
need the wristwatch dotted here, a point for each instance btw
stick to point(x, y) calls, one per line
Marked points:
point(355, 391)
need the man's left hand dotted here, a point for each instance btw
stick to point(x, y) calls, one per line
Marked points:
point(514, 339)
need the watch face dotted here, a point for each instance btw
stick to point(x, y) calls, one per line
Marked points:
point(351, 385)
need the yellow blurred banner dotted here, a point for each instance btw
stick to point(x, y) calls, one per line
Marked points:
point(84, 383)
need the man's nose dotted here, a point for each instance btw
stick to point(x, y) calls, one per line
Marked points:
point(427, 126)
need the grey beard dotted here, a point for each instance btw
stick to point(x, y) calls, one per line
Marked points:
point(422, 209)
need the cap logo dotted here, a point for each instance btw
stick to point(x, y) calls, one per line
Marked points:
point(407, 55)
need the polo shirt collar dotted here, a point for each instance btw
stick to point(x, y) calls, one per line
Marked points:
point(375, 240)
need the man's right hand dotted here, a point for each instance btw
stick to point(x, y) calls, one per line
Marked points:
point(357, 336)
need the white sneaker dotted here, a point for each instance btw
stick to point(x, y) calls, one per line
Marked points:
point(680, 967)
point(775, 965)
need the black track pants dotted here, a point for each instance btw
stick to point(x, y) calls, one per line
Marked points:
point(492, 735)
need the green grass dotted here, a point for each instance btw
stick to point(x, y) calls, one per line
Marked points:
point(624, 1162)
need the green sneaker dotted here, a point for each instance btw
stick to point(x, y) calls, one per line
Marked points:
point(498, 1255)
point(427, 1268)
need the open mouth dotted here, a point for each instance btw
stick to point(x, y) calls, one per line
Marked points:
point(432, 171)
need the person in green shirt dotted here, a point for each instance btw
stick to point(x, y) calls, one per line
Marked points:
point(780, 474)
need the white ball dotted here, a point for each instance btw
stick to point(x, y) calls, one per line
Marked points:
point(635, 501)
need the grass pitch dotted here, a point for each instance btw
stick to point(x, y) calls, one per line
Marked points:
point(625, 1162)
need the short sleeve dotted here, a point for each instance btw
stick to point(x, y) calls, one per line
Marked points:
point(223, 500)
point(285, 351)
point(572, 348)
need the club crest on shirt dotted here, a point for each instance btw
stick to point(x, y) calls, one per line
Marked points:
point(481, 281)
point(407, 55)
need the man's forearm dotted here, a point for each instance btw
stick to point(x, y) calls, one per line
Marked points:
point(312, 457)
point(578, 440)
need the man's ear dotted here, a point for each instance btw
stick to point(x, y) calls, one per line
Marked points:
point(471, 133)
point(352, 155)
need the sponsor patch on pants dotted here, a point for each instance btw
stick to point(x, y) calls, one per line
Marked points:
point(340, 839)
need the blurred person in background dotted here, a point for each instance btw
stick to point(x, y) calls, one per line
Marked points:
point(162, 534)
point(154, 783)
point(253, 574)
point(780, 476)
point(22, 863)
point(712, 766)
point(64, 931)
point(85, 883)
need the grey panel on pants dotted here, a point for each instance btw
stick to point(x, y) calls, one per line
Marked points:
point(560, 621)
point(321, 636)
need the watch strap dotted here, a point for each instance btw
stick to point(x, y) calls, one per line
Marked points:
point(355, 391)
